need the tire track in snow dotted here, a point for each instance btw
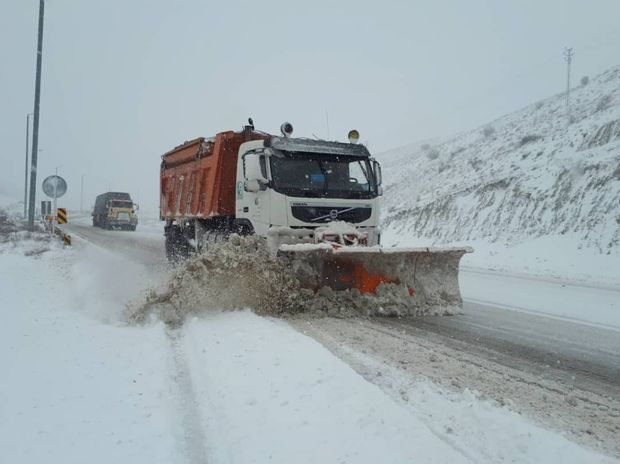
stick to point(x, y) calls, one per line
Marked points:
point(194, 437)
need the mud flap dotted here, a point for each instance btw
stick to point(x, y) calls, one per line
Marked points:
point(413, 280)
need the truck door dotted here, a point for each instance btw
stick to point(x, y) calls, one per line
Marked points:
point(256, 194)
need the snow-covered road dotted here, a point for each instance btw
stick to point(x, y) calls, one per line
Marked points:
point(236, 388)
point(537, 319)
point(145, 246)
point(79, 385)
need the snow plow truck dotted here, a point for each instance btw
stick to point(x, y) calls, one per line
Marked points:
point(315, 202)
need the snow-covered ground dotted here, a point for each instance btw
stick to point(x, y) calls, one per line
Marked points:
point(77, 385)
point(81, 385)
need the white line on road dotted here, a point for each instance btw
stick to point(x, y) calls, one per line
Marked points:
point(494, 304)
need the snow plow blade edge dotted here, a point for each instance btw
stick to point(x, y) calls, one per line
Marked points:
point(410, 281)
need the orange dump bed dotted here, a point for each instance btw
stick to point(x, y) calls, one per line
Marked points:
point(198, 177)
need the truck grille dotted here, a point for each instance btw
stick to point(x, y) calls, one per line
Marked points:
point(323, 214)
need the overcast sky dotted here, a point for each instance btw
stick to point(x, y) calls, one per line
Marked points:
point(126, 80)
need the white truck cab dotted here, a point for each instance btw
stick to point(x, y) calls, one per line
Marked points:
point(292, 186)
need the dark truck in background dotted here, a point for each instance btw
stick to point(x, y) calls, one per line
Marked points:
point(115, 210)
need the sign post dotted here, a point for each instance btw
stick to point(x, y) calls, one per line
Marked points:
point(55, 187)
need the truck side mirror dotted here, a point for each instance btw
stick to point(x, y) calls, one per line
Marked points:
point(136, 206)
point(377, 170)
point(255, 177)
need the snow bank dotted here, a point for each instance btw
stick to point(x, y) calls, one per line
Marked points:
point(242, 273)
point(74, 389)
point(232, 274)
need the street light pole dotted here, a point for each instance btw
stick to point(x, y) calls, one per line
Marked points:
point(35, 125)
point(26, 165)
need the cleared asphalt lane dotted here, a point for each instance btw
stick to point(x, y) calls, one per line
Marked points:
point(578, 354)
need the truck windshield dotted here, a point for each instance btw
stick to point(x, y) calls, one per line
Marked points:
point(121, 204)
point(322, 176)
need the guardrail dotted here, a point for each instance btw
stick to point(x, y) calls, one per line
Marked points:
point(52, 227)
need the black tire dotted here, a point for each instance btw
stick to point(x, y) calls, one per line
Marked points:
point(177, 246)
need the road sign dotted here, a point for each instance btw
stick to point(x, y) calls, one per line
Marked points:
point(54, 186)
point(61, 214)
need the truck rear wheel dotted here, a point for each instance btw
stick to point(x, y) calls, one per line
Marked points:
point(177, 246)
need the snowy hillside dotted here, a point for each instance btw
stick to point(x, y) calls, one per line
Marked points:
point(525, 178)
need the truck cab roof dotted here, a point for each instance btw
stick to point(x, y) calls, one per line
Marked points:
point(316, 146)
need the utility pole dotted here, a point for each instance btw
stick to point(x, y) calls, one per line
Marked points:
point(568, 57)
point(26, 166)
point(35, 125)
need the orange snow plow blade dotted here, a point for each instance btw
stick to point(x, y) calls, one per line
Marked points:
point(411, 281)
